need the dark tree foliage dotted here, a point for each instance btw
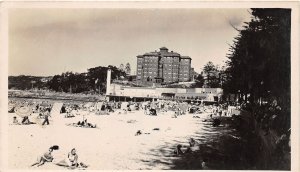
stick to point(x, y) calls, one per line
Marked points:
point(93, 80)
point(23, 82)
point(259, 59)
point(69, 82)
point(212, 73)
point(259, 66)
point(199, 82)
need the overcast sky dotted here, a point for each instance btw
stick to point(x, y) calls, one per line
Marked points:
point(44, 42)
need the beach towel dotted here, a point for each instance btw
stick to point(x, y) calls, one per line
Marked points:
point(63, 163)
point(76, 125)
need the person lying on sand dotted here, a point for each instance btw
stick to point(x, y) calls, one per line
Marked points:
point(85, 124)
point(192, 142)
point(69, 115)
point(46, 157)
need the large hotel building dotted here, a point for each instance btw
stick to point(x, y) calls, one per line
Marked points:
point(163, 67)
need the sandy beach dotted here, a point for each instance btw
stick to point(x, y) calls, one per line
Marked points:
point(111, 146)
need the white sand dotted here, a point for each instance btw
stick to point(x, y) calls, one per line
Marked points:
point(112, 146)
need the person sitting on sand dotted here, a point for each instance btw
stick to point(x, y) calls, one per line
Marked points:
point(26, 121)
point(192, 147)
point(139, 132)
point(178, 150)
point(192, 142)
point(86, 124)
point(153, 112)
point(109, 108)
point(63, 109)
point(147, 111)
point(46, 157)
point(80, 123)
point(203, 164)
point(72, 160)
point(15, 121)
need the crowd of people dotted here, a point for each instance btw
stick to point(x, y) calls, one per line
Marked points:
point(151, 108)
point(25, 108)
point(72, 109)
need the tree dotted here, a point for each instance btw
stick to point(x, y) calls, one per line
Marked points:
point(127, 69)
point(121, 68)
point(259, 59)
point(211, 74)
point(23, 82)
point(100, 74)
point(199, 82)
point(55, 83)
point(259, 66)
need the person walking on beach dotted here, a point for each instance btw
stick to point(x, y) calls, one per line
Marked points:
point(46, 119)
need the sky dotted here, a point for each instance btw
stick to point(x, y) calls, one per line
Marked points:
point(46, 42)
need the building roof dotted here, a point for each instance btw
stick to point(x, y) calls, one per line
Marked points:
point(170, 54)
point(186, 57)
point(163, 48)
point(151, 54)
point(163, 53)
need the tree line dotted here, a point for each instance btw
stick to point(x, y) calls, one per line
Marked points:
point(259, 60)
point(90, 82)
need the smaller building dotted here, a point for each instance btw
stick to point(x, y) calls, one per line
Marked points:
point(184, 94)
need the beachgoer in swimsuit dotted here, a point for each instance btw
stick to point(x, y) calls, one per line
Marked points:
point(72, 160)
point(46, 157)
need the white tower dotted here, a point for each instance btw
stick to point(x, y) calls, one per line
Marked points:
point(108, 82)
